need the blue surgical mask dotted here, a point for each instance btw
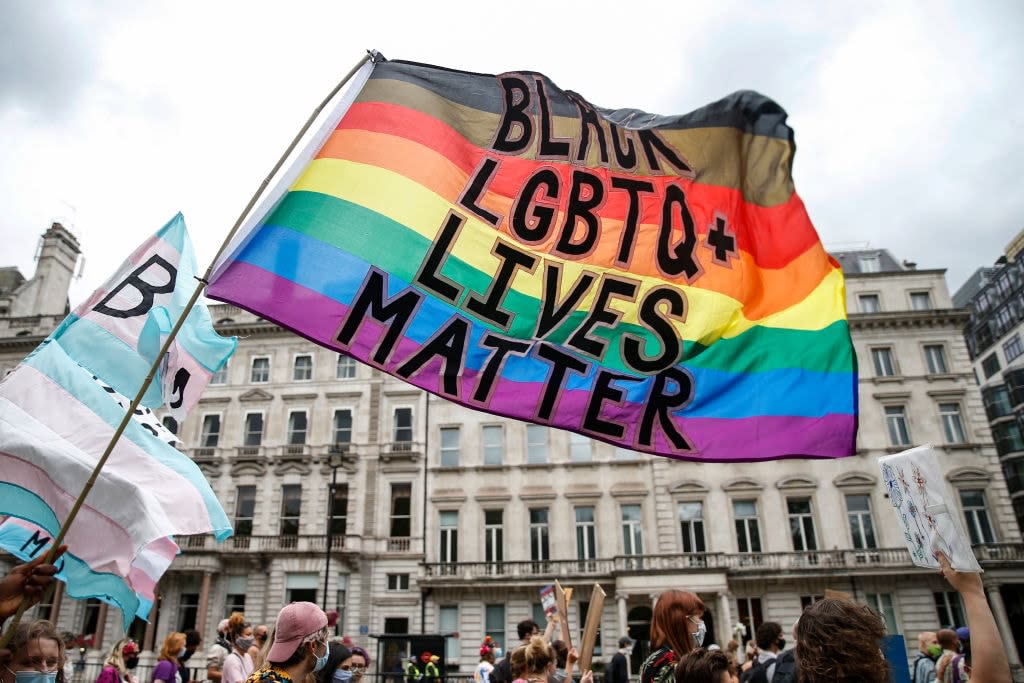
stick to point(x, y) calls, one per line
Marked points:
point(497, 653)
point(181, 653)
point(702, 630)
point(342, 676)
point(35, 677)
point(321, 662)
point(559, 675)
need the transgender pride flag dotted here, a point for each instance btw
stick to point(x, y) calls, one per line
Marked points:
point(60, 408)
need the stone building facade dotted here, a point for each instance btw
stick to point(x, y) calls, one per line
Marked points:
point(443, 519)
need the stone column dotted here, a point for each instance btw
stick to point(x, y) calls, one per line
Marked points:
point(204, 600)
point(147, 639)
point(58, 595)
point(995, 598)
point(101, 626)
point(621, 598)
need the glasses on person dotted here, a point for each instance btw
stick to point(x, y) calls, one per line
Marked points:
point(694, 620)
point(357, 670)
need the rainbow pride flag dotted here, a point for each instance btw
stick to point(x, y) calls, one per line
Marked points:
point(651, 281)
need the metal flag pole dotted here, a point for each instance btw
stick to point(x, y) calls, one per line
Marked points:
point(371, 55)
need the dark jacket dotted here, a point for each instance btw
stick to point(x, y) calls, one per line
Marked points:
point(618, 669)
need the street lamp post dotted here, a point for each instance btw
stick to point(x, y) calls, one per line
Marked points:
point(334, 462)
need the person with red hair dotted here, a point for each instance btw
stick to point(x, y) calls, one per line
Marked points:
point(677, 628)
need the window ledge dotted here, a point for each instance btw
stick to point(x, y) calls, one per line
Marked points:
point(941, 377)
point(888, 379)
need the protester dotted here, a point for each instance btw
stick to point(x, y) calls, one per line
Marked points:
point(769, 643)
point(527, 629)
point(193, 641)
point(703, 666)
point(339, 665)
point(618, 666)
point(218, 651)
point(928, 651)
point(961, 664)
point(260, 660)
point(360, 662)
point(677, 627)
point(786, 664)
point(117, 668)
point(299, 645)
point(238, 665)
point(536, 661)
point(36, 651)
point(482, 672)
point(168, 662)
point(950, 645)
point(259, 635)
point(565, 659)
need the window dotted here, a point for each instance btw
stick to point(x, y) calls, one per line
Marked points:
point(301, 587)
point(220, 376)
point(808, 600)
point(340, 601)
point(691, 522)
point(869, 303)
point(448, 622)
point(494, 624)
point(801, 523)
point(896, 421)
point(210, 435)
point(494, 444)
point(921, 301)
point(303, 369)
point(586, 540)
point(339, 510)
point(449, 447)
point(882, 358)
point(245, 510)
point(238, 586)
point(882, 603)
point(342, 426)
point(579, 447)
point(624, 453)
point(935, 356)
point(188, 610)
point(449, 536)
point(749, 611)
point(990, 365)
point(1012, 348)
point(536, 444)
point(869, 263)
point(253, 429)
point(632, 531)
point(401, 510)
point(91, 614)
point(494, 551)
point(539, 548)
point(862, 528)
point(398, 582)
point(403, 425)
point(345, 368)
point(952, 425)
point(260, 370)
point(297, 427)
point(170, 424)
point(748, 540)
point(584, 609)
point(950, 609)
point(291, 509)
point(976, 515)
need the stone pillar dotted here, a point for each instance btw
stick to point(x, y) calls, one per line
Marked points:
point(621, 598)
point(204, 599)
point(101, 626)
point(147, 639)
point(724, 618)
point(58, 595)
point(995, 598)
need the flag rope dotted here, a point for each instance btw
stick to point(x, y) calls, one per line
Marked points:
point(371, 55)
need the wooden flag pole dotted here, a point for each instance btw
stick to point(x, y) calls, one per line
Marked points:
point(594, 610)
point(52, 553)
point(562, 596)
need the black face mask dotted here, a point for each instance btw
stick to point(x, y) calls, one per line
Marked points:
point(131, 662)
point(183, 658)
point(782, 643)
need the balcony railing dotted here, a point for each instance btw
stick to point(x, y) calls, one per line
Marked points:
point(270, 544)
point(465, 571)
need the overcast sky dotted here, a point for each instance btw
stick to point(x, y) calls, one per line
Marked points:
point(909, 117)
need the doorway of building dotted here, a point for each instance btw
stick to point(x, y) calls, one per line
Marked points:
point(638, 622)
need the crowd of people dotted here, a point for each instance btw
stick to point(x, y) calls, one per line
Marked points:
point(836, 640)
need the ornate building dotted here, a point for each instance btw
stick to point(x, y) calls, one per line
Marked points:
point(442, 519)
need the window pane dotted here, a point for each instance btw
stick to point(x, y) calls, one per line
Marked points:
point(579, 447)
point(403, 424)
point(260, 370)
point(297, 428)
point(536, 444)
point(253, 429)
point(494, 444)
point(303, 368)
point(449, 447)
point(342, 426)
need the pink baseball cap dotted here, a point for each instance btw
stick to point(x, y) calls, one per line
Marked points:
point(295, 622)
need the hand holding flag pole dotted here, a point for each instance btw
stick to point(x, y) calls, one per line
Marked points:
point(56, 548)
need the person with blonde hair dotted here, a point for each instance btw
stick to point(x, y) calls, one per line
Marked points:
point(535, 662)
point(238, 664)
point(117, 668)
point(167, 664)
point(36, 651)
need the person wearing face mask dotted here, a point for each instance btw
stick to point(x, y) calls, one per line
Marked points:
point(238, 664)
point(535, 662)
point(259, 634)
point(299, 646)
point(167, 664)
point(769, 644)
point(339, 665)
point(119, 663)
point(618, 667)
point(360, 662)
point(677, 627)
point(36, 654)
point(482, 672)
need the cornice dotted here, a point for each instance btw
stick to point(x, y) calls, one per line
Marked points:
point(938, 317)
point(894, 273)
